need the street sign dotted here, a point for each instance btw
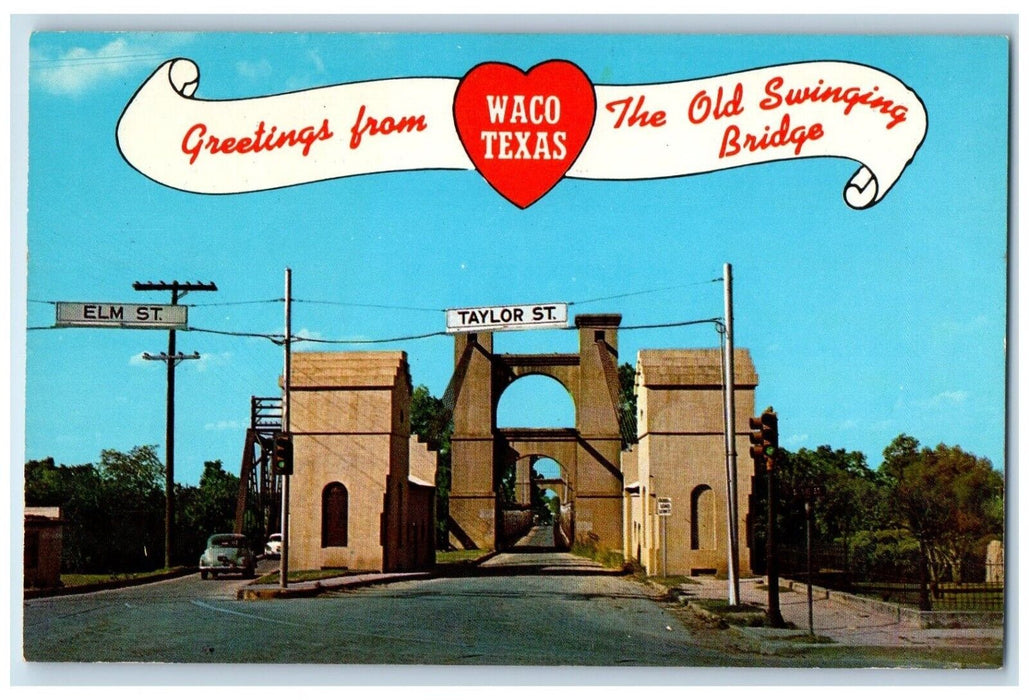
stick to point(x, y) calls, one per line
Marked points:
point(507, 318)
point(105, 315)
point(664, 506)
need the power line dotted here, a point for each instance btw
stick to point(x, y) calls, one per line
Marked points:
point(237, 303)
point(239, 334)
point(641, 292)
point(278, 338)
point(367, 306)
point(675, 324)
point(400, 307)
point(97, 59)
point(299, 339)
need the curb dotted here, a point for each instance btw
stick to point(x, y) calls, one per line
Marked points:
point(308, 589)
point(32, 593)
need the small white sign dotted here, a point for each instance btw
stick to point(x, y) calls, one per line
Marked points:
point(664, 506)
point(106, 315)
point(507, 318)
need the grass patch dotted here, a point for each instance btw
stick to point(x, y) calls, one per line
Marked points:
point(305, 575)
point(71, 580)
point(743, 615)
point(591, 550)
point(671, 581)
point(458, 556)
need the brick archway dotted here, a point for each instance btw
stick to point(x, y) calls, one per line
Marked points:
point(589, 451)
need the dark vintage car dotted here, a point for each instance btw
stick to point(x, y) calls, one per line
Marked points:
point(227, 553)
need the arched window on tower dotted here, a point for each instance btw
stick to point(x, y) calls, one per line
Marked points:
point(335, 504)
point(702, 518)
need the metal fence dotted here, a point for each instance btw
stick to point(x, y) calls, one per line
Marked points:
point(977, 586)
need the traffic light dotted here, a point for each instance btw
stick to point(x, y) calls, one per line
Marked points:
point(282, 454)
point(757, 440)
point(764, 438)
point(770, 433)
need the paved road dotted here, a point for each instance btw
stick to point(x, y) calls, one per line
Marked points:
point(137, 623)
point(528, 607)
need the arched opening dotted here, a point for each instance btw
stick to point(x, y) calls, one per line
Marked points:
point(533, 497)
point(547, 468)
point(702, 518)
point(335, 507)
point(552, 499)
point(535, 401)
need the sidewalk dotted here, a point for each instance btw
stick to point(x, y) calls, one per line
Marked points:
point(847, 620)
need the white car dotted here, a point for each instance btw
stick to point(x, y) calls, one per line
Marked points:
point(227, 553)
point(273, 547)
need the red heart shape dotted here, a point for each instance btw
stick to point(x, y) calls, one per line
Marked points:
point(524, 130)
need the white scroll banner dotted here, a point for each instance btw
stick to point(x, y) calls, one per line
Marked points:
point(802, 110)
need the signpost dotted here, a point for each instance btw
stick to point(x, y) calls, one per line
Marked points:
point(507, 318)
point(107, 315)
point(664, 509)
point(664, 506)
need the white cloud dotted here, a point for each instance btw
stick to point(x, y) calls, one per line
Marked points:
point(307, 333)
point(211, 359)
point(254, 69)
point(319, 65)
point(948, 398)
point(76, 70)
point(225, 425)
point(797, 439)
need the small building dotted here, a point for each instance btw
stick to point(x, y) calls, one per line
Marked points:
point(362, 495)
point(680, 460)
point(42, 554)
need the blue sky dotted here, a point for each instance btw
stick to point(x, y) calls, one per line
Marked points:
point(862, 324)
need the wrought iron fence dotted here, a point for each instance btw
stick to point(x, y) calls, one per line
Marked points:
point(977, 585)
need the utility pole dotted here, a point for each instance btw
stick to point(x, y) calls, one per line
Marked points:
point(172, 359)
point(287, 368)
point(729, 368)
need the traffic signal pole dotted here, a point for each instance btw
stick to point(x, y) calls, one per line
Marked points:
point(764, 449)
point(286, 376)
point(769, 422)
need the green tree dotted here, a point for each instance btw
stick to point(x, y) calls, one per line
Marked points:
point(950, 501)
point(113, 513)
point(433, 424)
point(206, 509)
point(841, 486)
point(842, 490)
point(77, 491)
point(133, 491)
point(541, 507)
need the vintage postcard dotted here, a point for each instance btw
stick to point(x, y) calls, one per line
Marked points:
point(525, 350)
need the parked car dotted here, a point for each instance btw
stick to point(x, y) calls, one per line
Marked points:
point(273, 547)
point(227, 553)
